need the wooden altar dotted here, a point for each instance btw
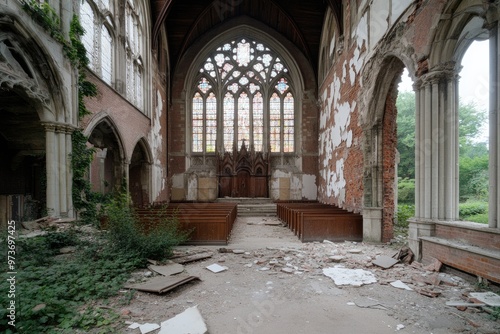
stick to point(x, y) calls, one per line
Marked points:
point(243, 173)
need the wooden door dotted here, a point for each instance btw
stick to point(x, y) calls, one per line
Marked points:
point(242, 184)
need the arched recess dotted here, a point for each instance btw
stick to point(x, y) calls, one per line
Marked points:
point(331, 44)
point(195, 175)
point(379, 152)
point(107, 168)
point(35, 128)
point(140, 174)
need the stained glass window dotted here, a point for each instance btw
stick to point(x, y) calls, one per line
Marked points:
point(258, 122)
point(255, 89)
point(243, 119)
point(228, 122)
point(288, 123)
point(275, 123)
point(197, 124)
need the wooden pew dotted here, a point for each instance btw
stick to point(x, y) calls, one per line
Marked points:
point(317, 222)
point(208, 223)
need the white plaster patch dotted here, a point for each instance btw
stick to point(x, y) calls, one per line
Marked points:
point(362, 31)
point(309, 188)
point(156, 140)
point(379, 14)
point(397, 8)
point(192, 194)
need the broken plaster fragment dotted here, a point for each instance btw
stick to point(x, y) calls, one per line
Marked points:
point(345, 276)
point(148, 328)
point(216, 268)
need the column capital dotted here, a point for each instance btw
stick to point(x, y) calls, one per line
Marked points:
point(441, 72)
point(58, 127)
point(49, 127)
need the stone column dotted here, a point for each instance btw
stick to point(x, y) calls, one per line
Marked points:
point(69, 173)
point(436, 151)
point(62, 160)
point(51, 170)
point(494, 120)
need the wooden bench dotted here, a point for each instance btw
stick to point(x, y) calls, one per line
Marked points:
point(318, 222)
point(208, 223)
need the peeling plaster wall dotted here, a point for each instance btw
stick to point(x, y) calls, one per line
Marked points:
point(157, 142)
point(341, 159)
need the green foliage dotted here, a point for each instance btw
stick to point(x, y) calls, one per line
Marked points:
point(474, 177)
point(495, 313)
point(62, 286)
point(406, 134)
point(86, 201)
point(46, 17)
point(406, 191)
point(405, 212)
point(126, 234)
point(57, 240)
point(472, 208)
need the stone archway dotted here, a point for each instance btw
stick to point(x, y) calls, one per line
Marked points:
point(22, 152)
point(139, 175)
point(106, 169)
point(380, 145)
point(36, 122)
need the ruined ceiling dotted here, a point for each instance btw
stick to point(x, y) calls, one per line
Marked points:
point(297, 20)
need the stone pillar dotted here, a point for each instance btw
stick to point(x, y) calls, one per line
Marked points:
point(51, 170)
point(494, 120)
point(436, 151)
point(69, 173)
point(62, 161)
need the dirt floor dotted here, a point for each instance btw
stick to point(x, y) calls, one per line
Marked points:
point(277, 285)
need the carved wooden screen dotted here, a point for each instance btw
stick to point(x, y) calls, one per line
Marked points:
point(243, 173)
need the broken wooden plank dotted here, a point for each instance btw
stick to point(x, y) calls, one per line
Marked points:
point(162, 284)
point(457, 303)
point(193, 257)
point(168, 269)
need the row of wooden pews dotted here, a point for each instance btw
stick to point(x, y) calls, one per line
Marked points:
point(317, 222)
point(208, 223)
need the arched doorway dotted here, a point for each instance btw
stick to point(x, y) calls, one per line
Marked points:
point(139, 174)
point(22, 152)
point(106, 169)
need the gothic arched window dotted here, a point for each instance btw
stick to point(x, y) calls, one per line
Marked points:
point(134, 49)
point(96, 19)
point(243, 94)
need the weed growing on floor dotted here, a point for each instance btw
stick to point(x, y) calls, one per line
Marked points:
point(152, 241)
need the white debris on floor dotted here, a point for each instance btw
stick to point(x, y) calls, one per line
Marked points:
point(188, 322)
point(345, 276)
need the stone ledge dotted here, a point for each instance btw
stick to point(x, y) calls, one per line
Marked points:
point(472, 259)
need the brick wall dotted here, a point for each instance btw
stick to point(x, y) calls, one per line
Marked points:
point(477, 236)
point(389, 146)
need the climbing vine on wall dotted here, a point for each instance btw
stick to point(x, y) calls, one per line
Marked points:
point(84, 199)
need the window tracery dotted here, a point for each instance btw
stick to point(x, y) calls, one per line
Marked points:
point(255, 90)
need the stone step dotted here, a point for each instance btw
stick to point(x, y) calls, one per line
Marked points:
point(257, 210)
point(245, 200)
